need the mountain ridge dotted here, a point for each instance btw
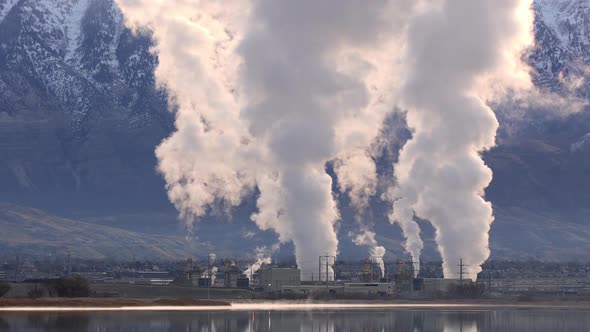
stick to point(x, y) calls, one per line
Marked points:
point(32, 232)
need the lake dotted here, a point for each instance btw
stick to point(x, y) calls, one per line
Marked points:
point(414, 320)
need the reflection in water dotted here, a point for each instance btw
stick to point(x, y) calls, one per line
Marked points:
point(4, 326)
point(312, 321)
point(58, 321)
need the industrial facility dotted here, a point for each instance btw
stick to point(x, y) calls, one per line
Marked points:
point(334, 278)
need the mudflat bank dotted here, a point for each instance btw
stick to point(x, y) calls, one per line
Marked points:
point(183, 304)
point(106, 303)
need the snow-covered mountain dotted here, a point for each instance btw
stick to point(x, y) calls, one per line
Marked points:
point(79, 107)
point(81, 113)
point(562, 52)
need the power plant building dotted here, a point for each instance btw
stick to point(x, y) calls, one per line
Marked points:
point(431, 286)
point(369, 288)
point(271, 280)
point(231, 277)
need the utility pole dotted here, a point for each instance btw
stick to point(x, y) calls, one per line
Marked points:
point(320, 269)
point(16, 266)
point(489, 282)
point(461, 273)
point(68, 263)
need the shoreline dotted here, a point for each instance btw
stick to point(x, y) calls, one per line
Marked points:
point(101, 304)
point(7, 303)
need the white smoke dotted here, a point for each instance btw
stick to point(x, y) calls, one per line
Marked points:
point(263, 257)
point(378, 67)
point(204, 161)
point(316, 85)
point(212, 274)
point(357, 175)
point(377, 252)
point(403, 214)
point(267, 92)
point(459, 54)
point(210, 270)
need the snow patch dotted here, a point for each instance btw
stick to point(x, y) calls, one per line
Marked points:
point(556, 14)
point(551, 14)
point(6, 7)
point(117, 15)
point(73, 28)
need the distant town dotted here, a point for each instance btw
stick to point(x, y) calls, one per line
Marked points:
point(236, 279)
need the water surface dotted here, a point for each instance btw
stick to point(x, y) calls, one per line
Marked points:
point(385, 319)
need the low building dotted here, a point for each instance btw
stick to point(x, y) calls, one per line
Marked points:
point(537, 285)
point(431, 286)
point(368, 288)
point(309, 289)
point(231, 277)
point(2, 275)
point(350, 288)
point(156, 278)
point(243, 283)
point(95, 277)
point(271, 280)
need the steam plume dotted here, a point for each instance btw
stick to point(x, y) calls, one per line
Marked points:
point(355, 165)
point(263, 256)
point(307, 71)
point(459, 54)
point(357, 175)
point(367, 238)
point(267, 92)
point(211, 271)
point(404, 215)
point(203, 162)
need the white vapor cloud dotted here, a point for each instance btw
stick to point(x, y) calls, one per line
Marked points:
point(316, 74)
point(268, 92)
point(205, 161)
point(459, 55)
point(263, 256)
point(377, 252)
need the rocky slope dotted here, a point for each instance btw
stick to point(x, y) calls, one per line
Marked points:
point(32, 232)
point(79, 109)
